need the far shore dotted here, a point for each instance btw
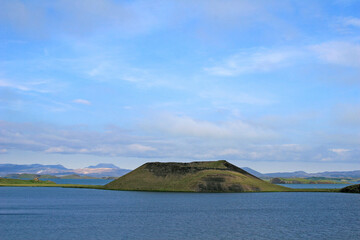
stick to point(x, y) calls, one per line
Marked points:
point(101, 187)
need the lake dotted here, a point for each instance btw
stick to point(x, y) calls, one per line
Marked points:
point(79, 181)
point(65, 213)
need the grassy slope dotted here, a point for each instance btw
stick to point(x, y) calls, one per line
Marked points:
point(142, 179)
point(21, 181)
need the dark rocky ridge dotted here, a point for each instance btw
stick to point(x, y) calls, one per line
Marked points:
point(351, 189)
point(162, 169)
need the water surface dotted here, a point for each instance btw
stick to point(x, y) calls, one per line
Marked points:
point(79, 181)
point(64, 213)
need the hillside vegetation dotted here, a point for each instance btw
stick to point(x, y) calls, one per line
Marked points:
point(211, 176)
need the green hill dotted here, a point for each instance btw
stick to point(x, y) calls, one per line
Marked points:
point(211, 176)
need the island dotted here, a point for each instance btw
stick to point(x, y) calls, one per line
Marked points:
point(205, 176)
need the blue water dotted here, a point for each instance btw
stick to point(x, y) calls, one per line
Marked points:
point(64, 213)
point(79, 181)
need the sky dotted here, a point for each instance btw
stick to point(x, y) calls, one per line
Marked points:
point(273, 85)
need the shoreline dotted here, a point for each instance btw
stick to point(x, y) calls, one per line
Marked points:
point(101, 187)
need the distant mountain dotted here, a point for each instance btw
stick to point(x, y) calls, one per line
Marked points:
point(32, 176)
point(343, 174)
point(288, 174)
point(302, 174)
point(253, 172)
point(104, 165)
point(31, 168)
point(100, 170)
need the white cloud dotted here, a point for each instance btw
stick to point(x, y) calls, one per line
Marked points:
point(82, 101)
point(74, 140)
point(5, 83)
point(351, 21)
point(339, 150)
point(60, 150)
point(327, 159)
point(39, 86)
point(3, 150)
point(254, 60)
point(183, 126)
point(140, 148)
point(338, 53)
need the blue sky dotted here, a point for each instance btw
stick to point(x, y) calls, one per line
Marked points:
point(272, 85)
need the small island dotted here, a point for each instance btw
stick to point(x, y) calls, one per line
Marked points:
point(207, 176)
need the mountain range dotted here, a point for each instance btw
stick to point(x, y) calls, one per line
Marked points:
point(111, 170)
point(302, 174)
point(100, 170)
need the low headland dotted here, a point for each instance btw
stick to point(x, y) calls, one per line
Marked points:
point(8, 182)
point(207, 176)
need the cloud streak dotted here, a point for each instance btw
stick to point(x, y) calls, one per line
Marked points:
point(253, 61)
point(338, 53)
point(82, 101)
point(183, 126)
point(351, 21)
